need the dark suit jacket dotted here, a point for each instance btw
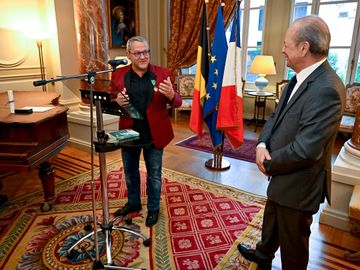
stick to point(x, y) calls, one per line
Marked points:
point(157, 109)
point(300, 141)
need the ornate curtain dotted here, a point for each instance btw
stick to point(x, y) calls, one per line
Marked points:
point(185, 17)
point(93, 45)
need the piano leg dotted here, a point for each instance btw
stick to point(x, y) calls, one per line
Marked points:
point(47, 176)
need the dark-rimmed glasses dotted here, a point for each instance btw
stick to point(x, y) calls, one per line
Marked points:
point(137, 55)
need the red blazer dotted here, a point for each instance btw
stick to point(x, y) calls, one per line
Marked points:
point(157, 110)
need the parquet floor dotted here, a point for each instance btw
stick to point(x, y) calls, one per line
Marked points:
point(327, 243)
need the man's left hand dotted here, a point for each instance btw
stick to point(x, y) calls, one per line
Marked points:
point(166, 88)
point(262, 154)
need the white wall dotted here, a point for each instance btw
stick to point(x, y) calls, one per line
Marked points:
point(19, 61)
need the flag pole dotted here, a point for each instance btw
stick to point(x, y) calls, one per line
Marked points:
point(221, 151)
point(217, 163)
point(236, 37)
point(207, 28)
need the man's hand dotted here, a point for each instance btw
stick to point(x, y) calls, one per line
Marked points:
point(262, 154)
point(166, 88)
point(122, 98)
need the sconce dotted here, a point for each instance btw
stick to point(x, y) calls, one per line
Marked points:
point(262, 65)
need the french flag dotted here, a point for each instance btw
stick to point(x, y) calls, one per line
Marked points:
point(230, 114)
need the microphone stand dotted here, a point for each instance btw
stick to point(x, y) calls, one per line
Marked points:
point(106, 225)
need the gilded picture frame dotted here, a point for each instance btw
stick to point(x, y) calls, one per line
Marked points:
point(123, 21)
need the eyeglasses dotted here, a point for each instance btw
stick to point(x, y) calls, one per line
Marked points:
point(137, 55)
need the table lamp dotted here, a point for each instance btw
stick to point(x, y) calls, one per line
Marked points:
point(262, 65)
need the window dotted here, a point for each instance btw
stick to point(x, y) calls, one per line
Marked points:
point(343, 21)
point(252, 34)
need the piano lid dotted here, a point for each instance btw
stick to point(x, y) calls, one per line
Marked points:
point(29, 98)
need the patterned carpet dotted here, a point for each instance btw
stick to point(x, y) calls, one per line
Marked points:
point(198, 225)
point(244, 152)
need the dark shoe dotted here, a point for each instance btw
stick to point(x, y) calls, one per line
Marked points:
point(128, 208)
point(247, 252)
point(152, 218)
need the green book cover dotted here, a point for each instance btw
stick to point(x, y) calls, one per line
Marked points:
point(122, 135)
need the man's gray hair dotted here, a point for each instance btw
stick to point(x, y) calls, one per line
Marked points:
point(138, 39)
point(314, 30)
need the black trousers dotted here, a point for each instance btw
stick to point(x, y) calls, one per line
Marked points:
point(288, 229)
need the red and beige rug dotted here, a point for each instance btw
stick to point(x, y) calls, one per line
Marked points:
point(245, 152)
point(198, 225)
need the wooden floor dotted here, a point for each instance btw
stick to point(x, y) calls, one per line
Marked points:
point(243, 175)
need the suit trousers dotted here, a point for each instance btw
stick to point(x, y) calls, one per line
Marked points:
point(289, 229)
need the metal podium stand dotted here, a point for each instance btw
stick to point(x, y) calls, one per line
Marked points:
point(102, 147)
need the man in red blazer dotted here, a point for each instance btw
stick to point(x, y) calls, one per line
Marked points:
point(150, 89)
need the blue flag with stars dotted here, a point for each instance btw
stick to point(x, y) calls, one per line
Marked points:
point(214, 82)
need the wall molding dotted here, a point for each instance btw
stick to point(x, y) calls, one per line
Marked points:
point(21, 68)
point(18, 77)
point(15, 63)
point(19, 51)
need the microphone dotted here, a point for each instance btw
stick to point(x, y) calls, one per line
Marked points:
point(115, 63)
point(41, 82)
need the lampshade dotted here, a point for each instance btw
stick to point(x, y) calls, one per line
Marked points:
point(262, 65)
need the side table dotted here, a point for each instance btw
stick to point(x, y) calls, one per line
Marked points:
point(260, 103)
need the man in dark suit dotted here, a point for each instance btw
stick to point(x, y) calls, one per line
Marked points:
point(295, 147)
point(150, 90)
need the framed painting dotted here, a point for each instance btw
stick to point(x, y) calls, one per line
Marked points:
point(123, 21)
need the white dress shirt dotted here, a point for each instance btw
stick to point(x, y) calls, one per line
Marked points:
point(300, 77)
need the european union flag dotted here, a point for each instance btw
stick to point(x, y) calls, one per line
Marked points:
point(214, 82)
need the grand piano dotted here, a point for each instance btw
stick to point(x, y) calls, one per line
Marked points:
point(31, 140)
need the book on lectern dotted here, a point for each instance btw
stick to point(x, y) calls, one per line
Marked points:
point(122, 135)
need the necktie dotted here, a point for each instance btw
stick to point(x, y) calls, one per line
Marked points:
point(290, 88)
